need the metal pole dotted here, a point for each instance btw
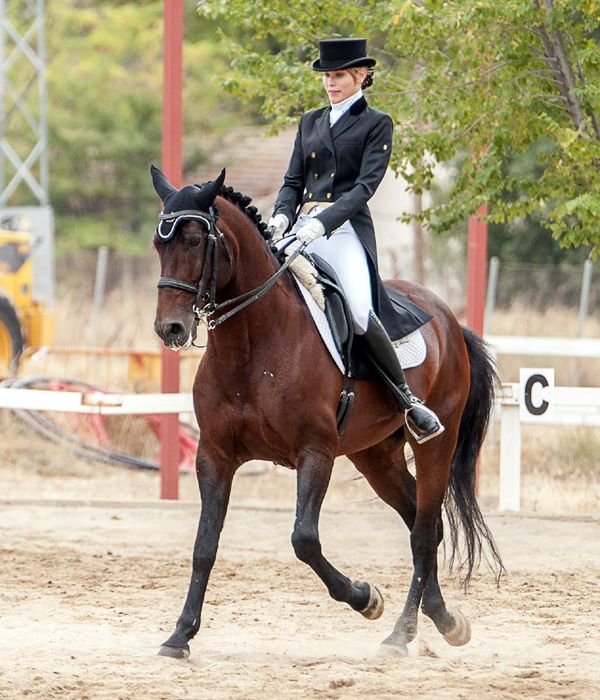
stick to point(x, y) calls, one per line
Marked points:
point(172, 137)
point(418, 240)
point(476, 270)
point(2, 90)
point(584, 303)
point(490, 300)
point(476, 274)
point(43, 101)
point(23, 147)
point(99, 287)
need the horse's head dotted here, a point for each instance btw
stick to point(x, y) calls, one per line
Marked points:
point(193, 257)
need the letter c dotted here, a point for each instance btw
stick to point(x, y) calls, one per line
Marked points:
point(531, 382)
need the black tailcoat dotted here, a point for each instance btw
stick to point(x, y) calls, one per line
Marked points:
point(344, 164)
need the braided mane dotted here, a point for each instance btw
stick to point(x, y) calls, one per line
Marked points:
point(242, 201)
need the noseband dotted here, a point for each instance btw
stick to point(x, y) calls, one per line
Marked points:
point(205, 303)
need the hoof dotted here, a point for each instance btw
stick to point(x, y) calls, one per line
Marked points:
point(392, 650)
point(374, 608)
point(461, 634)
point(174, 652)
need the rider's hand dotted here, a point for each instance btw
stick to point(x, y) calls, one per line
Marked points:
point(310, 231)
point(278, 225)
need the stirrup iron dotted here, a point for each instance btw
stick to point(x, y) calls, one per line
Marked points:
point(421, 437)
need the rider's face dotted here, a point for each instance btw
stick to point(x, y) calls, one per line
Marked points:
point(340, 85)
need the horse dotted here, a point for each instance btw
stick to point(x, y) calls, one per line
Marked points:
point(266, 388)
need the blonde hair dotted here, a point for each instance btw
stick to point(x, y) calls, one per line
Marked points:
point(367, 80)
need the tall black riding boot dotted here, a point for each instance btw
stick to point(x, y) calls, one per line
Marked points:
point(420, 420)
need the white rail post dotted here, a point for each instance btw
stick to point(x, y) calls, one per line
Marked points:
point(584, 303)
point(99, 287)
point(490, 297)
point(510, 453)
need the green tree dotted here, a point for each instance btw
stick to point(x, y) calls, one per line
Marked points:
point(104, 114)
point(527, 239)
point(481, 77)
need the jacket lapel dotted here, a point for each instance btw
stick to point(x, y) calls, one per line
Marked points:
point(350, 118)
point(323, 129)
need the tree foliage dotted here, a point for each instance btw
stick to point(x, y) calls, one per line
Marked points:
point(484, 78)
point(104, 114)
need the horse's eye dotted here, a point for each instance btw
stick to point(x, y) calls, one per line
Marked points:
point(194, 242)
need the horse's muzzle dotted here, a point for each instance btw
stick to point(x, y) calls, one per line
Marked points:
point(174, 334)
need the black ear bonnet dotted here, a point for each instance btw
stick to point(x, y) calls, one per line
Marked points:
point(190, 202)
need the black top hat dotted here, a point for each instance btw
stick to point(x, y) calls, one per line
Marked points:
point(337, 54)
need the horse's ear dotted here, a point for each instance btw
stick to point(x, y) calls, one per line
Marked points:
point(212, 189)
point(162, 186)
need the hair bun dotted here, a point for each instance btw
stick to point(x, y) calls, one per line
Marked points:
point(368, 81)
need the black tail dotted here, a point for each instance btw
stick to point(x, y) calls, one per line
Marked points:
point(461, 504)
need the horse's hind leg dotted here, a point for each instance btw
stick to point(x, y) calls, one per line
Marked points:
point(313, 475)
point(453, 626)
point(384, 466)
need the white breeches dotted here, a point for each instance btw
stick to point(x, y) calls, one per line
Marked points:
point(346, 255)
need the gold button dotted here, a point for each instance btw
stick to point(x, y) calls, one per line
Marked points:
point(329, 195)
point(316, 176)
point(385, 146)
point(313, 154)
point(310, 195)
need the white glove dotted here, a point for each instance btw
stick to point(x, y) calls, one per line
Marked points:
point(278, 225)
point(311, 230)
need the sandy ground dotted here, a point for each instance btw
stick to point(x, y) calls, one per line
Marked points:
point(91, 588)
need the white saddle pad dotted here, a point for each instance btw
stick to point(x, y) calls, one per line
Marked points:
point(411, 350)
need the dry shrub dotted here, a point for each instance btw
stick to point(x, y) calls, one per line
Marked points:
point(133, 434)
point(126, 319)
point(556, 322)
point(23, 454)
point(560, 472)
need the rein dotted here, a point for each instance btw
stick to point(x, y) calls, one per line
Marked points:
point(210, 271)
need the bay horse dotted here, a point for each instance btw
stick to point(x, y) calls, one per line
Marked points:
point(266, 388)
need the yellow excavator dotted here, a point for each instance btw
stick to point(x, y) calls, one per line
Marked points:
point(23, 321)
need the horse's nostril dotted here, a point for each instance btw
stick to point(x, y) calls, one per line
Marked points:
point(172, 330)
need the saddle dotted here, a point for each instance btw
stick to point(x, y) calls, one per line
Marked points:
point(339, 317)
point(352, 356)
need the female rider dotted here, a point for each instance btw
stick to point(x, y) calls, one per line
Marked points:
point(340, 156)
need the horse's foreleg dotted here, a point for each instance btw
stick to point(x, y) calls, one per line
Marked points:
point(215, 487)
point(312, 482)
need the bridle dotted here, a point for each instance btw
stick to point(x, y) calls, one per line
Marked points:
point(205, 291)
point(205, 301)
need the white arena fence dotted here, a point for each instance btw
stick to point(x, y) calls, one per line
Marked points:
point(574, 406)
point(534, 399)
point(540, 402)
point(550, 347)
point(95, 402)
